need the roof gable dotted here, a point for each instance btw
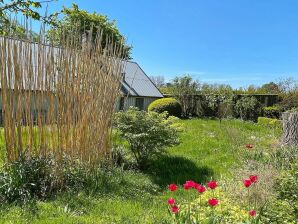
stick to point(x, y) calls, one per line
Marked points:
point(137, 83)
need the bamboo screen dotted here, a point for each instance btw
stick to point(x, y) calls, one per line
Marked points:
point(59, 100)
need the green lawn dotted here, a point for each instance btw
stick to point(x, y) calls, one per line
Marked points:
point(206, 151)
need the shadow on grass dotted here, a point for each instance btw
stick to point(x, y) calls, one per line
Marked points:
point(174, 169)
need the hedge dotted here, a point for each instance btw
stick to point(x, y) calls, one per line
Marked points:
point(171, 105)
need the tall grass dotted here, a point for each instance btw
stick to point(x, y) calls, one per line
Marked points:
point(59, 100)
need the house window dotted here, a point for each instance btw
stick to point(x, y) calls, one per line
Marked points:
point(121, 103)
point(140, 103)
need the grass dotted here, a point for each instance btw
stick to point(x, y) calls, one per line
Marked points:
point(206, 151)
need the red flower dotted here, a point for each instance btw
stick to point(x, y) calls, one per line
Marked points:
point(247, 182)
point(253, 178)
point(175, 209)
point(191, 183)
point(186, 186)
point(252, 213)
point(171, 201)
point(201, 188)
point(212, 184)
point(213, 201)
point(249, 146)
point(173, 187)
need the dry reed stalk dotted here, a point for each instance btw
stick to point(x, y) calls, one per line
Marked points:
point(59, 101)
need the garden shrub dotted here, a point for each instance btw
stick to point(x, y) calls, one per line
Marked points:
point(27, 178)
point(146, 133)
point(171, 105)
point(278, 211)
point(272, 111)
point(248, 108)
point(270, 122)
point(293, 109)
point(287, 187)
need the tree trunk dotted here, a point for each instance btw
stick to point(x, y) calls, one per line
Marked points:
point(290, 127)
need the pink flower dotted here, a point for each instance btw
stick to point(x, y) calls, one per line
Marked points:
point(247, 182)
point(175, 209)
point(171, 201)
point(201, 189)
point(213, 202)
point(173, 187)
point(252, 213)
point(212, 184)
point(253, 178)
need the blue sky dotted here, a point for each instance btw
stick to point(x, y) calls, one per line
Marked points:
point(236, 42)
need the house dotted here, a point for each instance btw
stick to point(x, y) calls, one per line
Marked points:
point(137, 89)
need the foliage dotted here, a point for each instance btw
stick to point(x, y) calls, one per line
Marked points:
point(146, 133)
point(28, 8)
point(269, 122)
point(289, 100)
point(248, 108)
point(82, 22)
point(278, 211)
point(171, 105)
point(210, 205)
point(27, 178)
point(293, 109)
point(183, 88)
point(287, 186)
point(272, 111)
point(128, 196)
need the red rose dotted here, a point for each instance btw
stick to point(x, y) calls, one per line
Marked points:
point(249, 146)
point(173, 187)
point(201, 189)
point(253, 178)
point(212, 184)
point(252, 213)
point(171, 201)
point(213, 202)
point(175, 209)
point(247, 182)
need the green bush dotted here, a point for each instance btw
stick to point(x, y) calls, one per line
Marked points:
point(271, 122)
point(146, 133)
point(287, 187)
point(26, 178)
point(32, 177)
point(278, 211)
point(272, 112)
point(248, 108)
point(171, 105)
point(294, 109)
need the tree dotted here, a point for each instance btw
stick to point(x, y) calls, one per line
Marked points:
point(184, 90)
point(270, 88)
point(159, 80)
point(77, 20)
point(27, 8)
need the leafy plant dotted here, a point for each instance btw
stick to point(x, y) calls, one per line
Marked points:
point(248, 108)
point(270, 122)
point(272, 112)
point(170, 105)
point(146, 133)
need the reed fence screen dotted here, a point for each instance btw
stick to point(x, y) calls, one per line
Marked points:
point(59, 100)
